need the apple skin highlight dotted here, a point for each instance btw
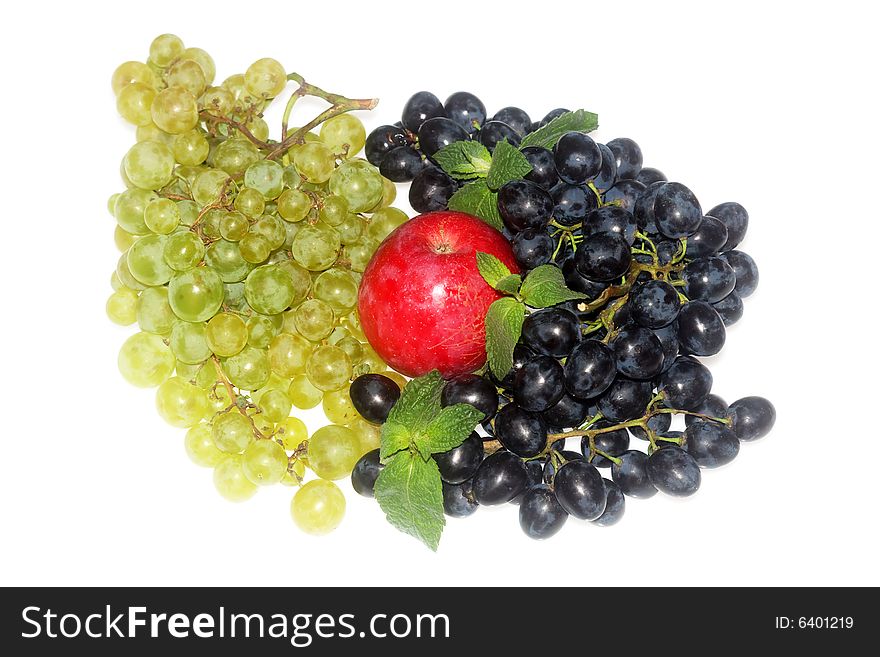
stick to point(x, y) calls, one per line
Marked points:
point(422, 300)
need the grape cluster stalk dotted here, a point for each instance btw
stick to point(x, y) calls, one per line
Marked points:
point(661, 280)
point(241, 257)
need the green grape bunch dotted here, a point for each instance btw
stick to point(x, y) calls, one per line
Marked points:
point(241, 257)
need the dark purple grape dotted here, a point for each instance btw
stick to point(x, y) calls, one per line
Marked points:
point(401, 164)
point(745, 270)
point(649, 175)
point(611, 219)
point(627, 157)
point(524, 204)
point(589, 369)
point(419, 108)
point(382, 140)
point(515, 118)
point(677, 211)
point(493, 132)
point(543, 171)
point(631, 475)
point(438, 133)
point(603, 257)
point(431, 190)
point(615, 505)
point(466, 110)
point(735, 218)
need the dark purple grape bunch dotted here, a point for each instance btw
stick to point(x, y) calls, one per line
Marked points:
point(663, 280)
point(404, 151)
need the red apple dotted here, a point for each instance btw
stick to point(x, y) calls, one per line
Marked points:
point(422, 301)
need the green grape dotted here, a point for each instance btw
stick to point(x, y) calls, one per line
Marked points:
point(216, 100)
point(134, 102)
point(275, 405)
point(188, 75)
point(338, 334)
point(175, 110)
point(352, 323)
point(263, 424)
point(318, 507)
point(255, 248)
point(294, 205)
point(124, 275)
point(293, 432)
point(368, 434)
point(398, 378)
point(334, 210)
point(210, 224)
point(295, 474)
point(258, 128)
point(146, 260)
point(232, 432)
point(154, 314)
point(151, 132)
point(145, 360)
point(272, 228)
point(234, 156)
point(314, 319)
point(115, 283)
point(190, 372)
point(328, 368)
point(189, 343)
point(180, 403)
point(187, 176)
point(275, 382)
point(264, 462)
point(314, 161)
point(338, 407)
point(122, 306)
point(183, 250)
point(353, 348)
point(231, 482)
point(164, 49)
point(269, 290)
point(351, 229)
point(248, 369)
point(371, 361)
point(260, 330)
point(235, 296)
point(188, 211)
point(288, 354)
point(226, 259)
point(207, 379)
point(226, 334)
point(123, 239)
point(389, 193)
point(130, 207)
point(191, 148)
point(360, 253)
point(303, 394)
point(250, 203)
point(208, 186)
point(338, 289)
point(383, 222)
point(196, 295)
point(204, 60)
point(233, 226)
point(111, 204)
point(359, 183)
point(200, 446)
point(162, 216)
point(333, 451)
point(265, 176)
point(316, 247)
point(219, 399)
point(130, 72)
point(265, 78)
point(302, 280)
point(344, 134)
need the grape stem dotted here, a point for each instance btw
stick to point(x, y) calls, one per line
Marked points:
point(215, 119)
point(339, 105)
point(233, 395)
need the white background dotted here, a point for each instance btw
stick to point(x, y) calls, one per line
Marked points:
point(772, 104)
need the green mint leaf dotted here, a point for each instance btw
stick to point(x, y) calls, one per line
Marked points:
point(464, 160)
point(547, 136)
point(419, 402)
point(508, 163)
point(449, 429)
point(509, 284)
point(410, 493)
point(393, 438)
point(545, 286)
point(491, 268)
point(503, 327)
point(477, 199)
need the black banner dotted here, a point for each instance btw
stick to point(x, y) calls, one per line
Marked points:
point(396, 621)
